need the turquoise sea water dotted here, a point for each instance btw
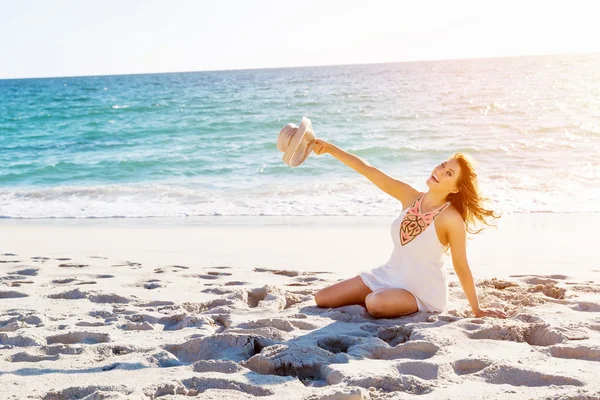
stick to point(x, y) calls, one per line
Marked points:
point(204, 143)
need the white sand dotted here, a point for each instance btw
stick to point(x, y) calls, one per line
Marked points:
point(222, 308)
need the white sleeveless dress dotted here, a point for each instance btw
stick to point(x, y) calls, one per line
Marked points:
point(417, 261)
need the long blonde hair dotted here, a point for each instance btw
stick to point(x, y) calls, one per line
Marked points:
point(468, 201)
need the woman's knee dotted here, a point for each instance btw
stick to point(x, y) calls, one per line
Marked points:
point(321, 298)
point(374, 304)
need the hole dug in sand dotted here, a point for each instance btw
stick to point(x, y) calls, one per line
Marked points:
point(255, 296)
point(227, 346)
point(394, 335)
point(336, 344)
point(301, 361)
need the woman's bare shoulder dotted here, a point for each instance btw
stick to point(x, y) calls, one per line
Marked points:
point(450, 217)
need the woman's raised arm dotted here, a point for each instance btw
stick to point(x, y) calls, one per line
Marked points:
point(394, 187)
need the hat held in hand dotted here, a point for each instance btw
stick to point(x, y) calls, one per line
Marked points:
point(295, 142)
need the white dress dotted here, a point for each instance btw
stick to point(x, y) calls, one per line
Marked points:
point(417, 261)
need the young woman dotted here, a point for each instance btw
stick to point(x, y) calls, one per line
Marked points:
point(430, 223)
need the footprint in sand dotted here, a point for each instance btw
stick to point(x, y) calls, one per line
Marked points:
point(234, 283)
point(210, 277)
point(45, 353)
point(579, 287)
point(94, 297)
point(499, 374)
point(289, 325)
point(128, 264)
point(79, 337)
point(224, 367)
point(549, 278)
point(90, 323)
point(414, 349)
point(550, 290)
point(308, 279)
point(72, 265)
point(215, 273)
point(421, 369)
point(171, 268)
point(152, 284)
point(156, 303)
point(217, 291)
point(10, 294)
point(469, 366)
point(64, 281)
point(28, 357)
point(30, 319)
point(580, 352)
point(586, 306)
point(536, 334)
point(278, 272)
point(71, 280)
point(193, 386)
point(181, 321)
point(69, 295)
point(27, 271)
point(108, 298)
point(19, 283)
point(496, 283)
point(20, 340)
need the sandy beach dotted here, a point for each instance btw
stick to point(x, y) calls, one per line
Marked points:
point(218, 308)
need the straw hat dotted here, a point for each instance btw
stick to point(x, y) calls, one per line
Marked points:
point(294, 142)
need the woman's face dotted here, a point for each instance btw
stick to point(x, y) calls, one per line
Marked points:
point(445, 176)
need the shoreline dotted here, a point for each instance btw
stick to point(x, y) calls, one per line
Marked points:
point(538, 243)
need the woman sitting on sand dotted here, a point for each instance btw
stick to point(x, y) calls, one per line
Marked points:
point(414, 278)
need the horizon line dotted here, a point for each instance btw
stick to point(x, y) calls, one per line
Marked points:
point(303, 66)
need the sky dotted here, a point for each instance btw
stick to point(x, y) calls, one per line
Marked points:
point(41, 38)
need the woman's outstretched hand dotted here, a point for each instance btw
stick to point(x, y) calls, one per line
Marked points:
point(321, 147)
point(490, 312)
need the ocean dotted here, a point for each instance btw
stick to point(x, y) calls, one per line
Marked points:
point(204, 143)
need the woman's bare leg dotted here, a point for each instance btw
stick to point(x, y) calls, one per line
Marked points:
point(349, 291)
point(391, 303)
